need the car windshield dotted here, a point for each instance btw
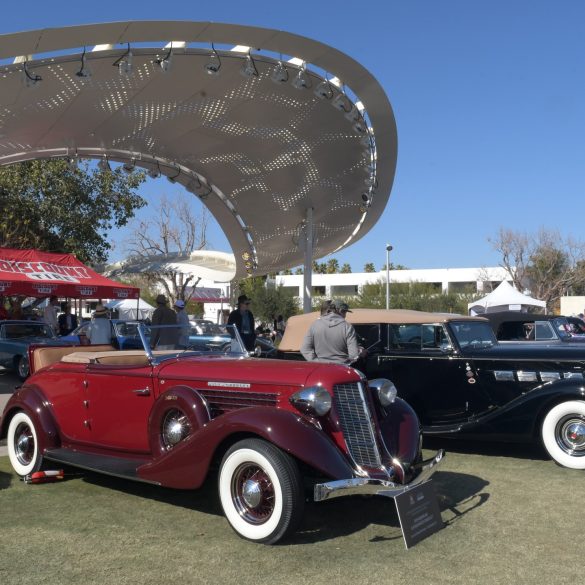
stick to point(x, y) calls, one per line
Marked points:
point(474, 334)
point(22, 330)
point(186, 338)
point(206, 328)
point(562, 327)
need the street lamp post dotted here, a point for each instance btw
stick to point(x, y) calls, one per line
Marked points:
point(388, 250)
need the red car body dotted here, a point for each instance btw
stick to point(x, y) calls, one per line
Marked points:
point(170, 420)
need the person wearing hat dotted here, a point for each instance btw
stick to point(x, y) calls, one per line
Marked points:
point(163, 336)
point(331, 338)
point(243, 319)
point(183, 322)
point(100, 329)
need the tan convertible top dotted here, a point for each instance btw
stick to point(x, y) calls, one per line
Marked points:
point(297, 326)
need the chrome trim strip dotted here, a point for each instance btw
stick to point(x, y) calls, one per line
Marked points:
point(380, 487)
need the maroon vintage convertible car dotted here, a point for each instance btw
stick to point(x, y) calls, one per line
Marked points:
point(167, 418)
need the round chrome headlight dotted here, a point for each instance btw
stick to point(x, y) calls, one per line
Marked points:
point(384, 390)
point(314, 400)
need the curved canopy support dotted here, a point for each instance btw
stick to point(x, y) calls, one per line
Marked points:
point(260, 135)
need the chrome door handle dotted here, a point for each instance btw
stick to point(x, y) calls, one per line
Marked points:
point(142, 392)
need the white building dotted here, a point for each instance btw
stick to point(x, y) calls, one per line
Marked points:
point(445, 279)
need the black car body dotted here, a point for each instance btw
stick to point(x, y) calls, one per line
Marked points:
point(462, 382)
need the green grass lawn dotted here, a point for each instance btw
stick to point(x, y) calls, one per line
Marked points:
point(513, 519)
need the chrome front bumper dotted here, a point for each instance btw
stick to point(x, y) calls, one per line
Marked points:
point(379, 487)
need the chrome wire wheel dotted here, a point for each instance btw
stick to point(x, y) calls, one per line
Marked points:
point(563, 433)
point(175, 427)
point(261, 491)
point(253, 493)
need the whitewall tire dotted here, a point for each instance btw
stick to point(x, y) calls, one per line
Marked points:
point(261, 491)
point(23, 445)
point(563, 434)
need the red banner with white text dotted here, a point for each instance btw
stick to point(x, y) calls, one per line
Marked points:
point(40, 274)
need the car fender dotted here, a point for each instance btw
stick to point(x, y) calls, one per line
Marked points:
point(30, 399)
point(520, 419)
point(184, 398)
point(187, 464)
point(400, 429)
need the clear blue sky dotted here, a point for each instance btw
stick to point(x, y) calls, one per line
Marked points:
point(489, 99)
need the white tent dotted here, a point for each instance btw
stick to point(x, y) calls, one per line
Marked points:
point(128, 309)
point(504, 298)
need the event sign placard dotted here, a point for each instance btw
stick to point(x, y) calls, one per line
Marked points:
point(418, 512)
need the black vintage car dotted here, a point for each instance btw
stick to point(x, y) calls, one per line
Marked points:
point(546, 329)
point(462, 382)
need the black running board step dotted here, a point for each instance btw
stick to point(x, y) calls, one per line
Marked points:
point(106, 464)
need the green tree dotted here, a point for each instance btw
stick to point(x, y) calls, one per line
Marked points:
point(319, 267)
point(369, 267)
point(417, 296)
point(332, 266)
point(267, 302)
point(345, 269)
point(547, 263)
point(51, 206)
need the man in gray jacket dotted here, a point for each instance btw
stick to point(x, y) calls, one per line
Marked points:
point(331, 338)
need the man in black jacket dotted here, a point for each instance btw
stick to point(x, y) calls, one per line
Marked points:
point(67, 321)
point(243, 319)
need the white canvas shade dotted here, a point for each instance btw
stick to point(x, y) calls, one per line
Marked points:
point(504, 298)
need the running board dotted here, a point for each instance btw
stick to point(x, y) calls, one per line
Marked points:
point(106, 464)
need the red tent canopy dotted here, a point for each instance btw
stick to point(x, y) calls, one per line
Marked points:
point(38, 274)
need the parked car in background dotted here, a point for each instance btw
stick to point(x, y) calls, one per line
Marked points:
point(533, 327)
point(207, 332)
point(15, 339)
point(124, 334)
point(169, 417)
point(463, 383)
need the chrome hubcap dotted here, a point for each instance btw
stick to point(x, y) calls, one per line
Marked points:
point(570, 435)
point(251, 493)
point(24, 444)
point(175, 428)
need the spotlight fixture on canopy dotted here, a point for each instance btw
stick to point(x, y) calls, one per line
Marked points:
point(249, 67)
point(154, 172)
point(324, 90)
point(84, 72)
point(104, 165)
point(129, 165)
point(341, 103)
point(165, 62)
point(173, 178)
point(302, 79)
point(73, 163)
point(214, 64)
point(124, 63)
point(279, 73)
point(30, 79)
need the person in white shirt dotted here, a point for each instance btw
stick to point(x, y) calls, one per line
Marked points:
point(50, 313)
point(100, 329)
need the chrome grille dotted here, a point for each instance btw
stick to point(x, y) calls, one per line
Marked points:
point(354, 418)
point(221, 401)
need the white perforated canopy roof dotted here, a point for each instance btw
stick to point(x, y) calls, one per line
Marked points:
point(259, 142)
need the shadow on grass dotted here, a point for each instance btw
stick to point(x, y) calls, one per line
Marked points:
point(457, 493)
point(5, 480)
